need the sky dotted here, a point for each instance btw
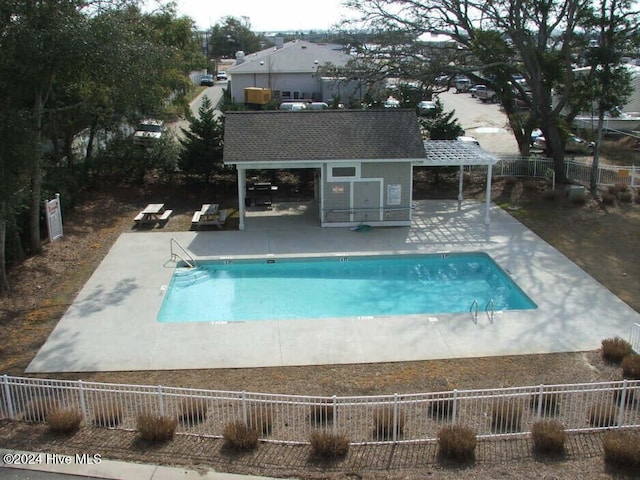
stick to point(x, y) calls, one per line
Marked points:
point(266, 15)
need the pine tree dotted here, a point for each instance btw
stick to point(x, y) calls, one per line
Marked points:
point(202, 142)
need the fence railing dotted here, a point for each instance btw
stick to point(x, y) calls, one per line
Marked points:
point(577, 169)
point(362, 419)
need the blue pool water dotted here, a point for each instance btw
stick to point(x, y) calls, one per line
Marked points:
point(338, 287)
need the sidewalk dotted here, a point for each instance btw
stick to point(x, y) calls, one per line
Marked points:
point(107, 469)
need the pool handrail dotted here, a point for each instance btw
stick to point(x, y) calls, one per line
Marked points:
point(175, 255)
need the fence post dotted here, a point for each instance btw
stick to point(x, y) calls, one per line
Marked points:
point(160, 401)
point(7, 395)
point(395, 417)
point(244, 407)
point(83, 403)
point(540, 399)
point(335, 415)
point(455, 407)
point(623, 399)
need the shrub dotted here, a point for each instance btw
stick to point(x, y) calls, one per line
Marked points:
point(156, 429)
point(530, 185)
point(506, 415)
point(441, 408)
point(550, 402)
point(551, 195)
point(327, 445)
point(603, 415)
point(548, 436)
point(64, 420)
point(321, 413)
point(625, 197)
point(107, 414)
point(510, 181)
point(36, 409)
point(192, 410)
point(456, 442)
point(631, 367)
point(260, 418)
point(238, 436)
point(608, 198)
point(622, 449)
point(615, 349)
point(383, 421)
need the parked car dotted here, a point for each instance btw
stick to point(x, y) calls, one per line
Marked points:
point(148, 131)
point(468, 139)
point(485, 94)
point(206, 80)
point(573, 144)
point(293, 106)
point(462, 85)
point(425, 107)
point(318, 106)
point(221, 75)
point(391, 103)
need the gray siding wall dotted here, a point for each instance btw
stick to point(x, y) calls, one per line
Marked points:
point(337, 194)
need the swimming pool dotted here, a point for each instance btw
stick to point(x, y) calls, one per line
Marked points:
point(266, 289)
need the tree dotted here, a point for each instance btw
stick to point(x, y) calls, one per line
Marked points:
point(499, 41)
point(231, 36)
point(608, 83)
point(202, 142)
point(441, 125)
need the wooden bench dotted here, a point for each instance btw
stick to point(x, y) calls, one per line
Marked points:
point(139, 217)
point(196, 218)
point(165, 216)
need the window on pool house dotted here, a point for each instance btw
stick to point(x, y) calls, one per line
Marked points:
point(343, 171)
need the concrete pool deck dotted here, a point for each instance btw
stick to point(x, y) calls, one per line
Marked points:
point(111, 325)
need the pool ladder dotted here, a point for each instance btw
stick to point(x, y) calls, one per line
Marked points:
point(190, 261)
point(489, 308)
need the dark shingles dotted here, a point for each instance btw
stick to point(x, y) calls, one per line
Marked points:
point(322, 135)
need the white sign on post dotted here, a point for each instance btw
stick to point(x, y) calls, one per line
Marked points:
point(54, 217)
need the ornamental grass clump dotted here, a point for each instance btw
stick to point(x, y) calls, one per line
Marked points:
point(615, 349)
point(631, 367)
point(156, 429)
point(603, 414)
point(240, 437)
point(64, 421)
point(608, 198)
point(383, 421)
point(622, 450)
point(457, 443)
point(506, 415)
point(192, 410)
point(548, 437)
point(107, 414)
point(328, 446)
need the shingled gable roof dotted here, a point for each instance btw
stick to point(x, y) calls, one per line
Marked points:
point(316, 136)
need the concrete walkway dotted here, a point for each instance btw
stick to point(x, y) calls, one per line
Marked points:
point(104, 469)
point(112, 323)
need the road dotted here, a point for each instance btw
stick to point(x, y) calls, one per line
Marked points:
point(215, 95)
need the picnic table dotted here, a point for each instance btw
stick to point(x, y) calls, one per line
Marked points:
point(153, 213)
point(209, 214)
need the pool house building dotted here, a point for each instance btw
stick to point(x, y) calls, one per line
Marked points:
point(363, 160)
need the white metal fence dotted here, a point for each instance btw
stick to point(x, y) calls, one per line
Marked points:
point(291, 419)
point(577, 169)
